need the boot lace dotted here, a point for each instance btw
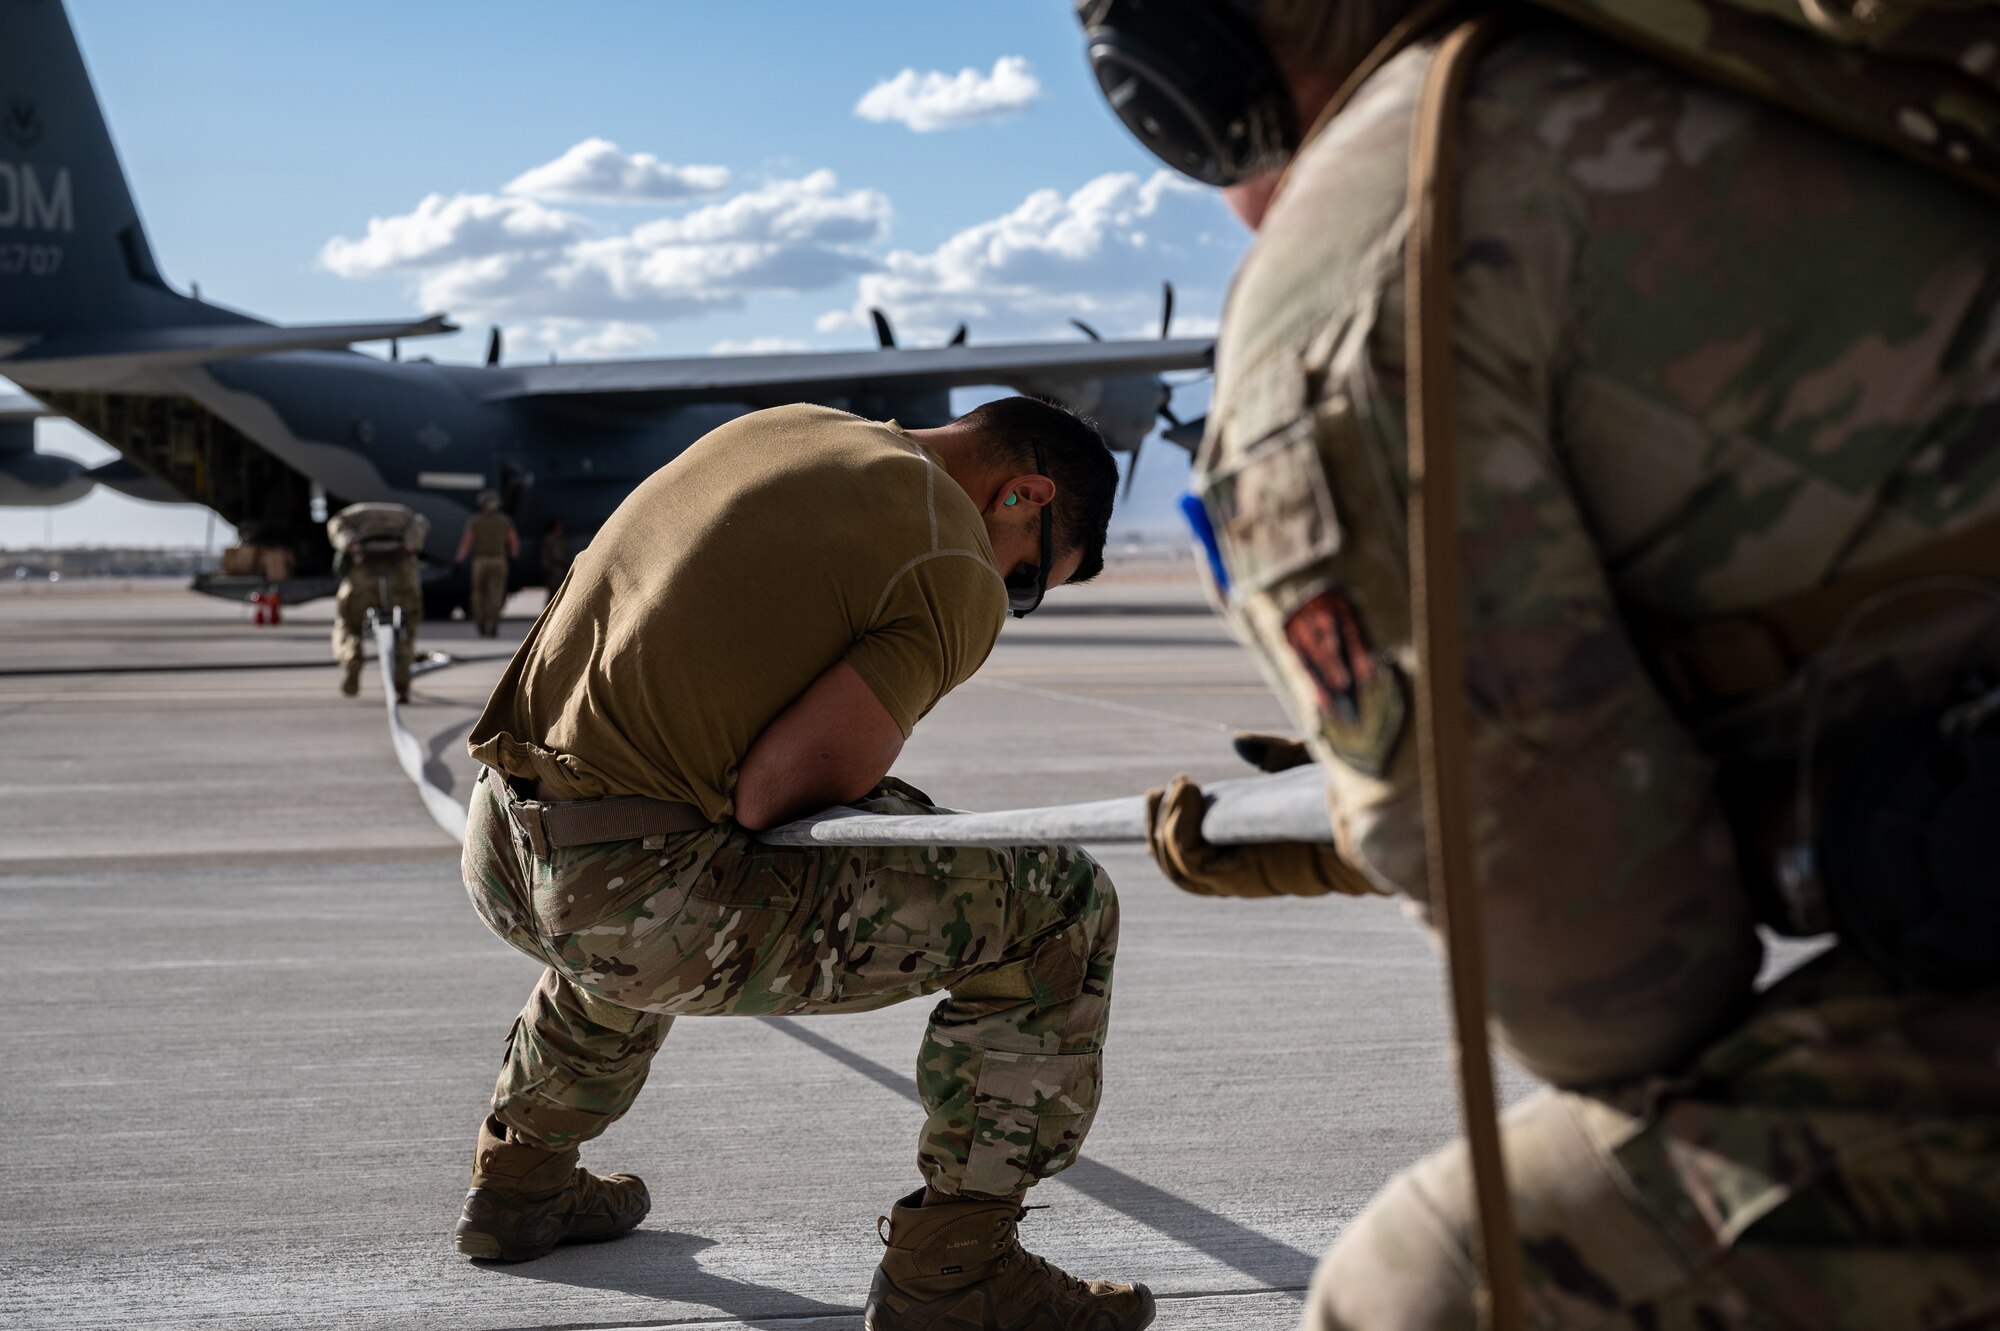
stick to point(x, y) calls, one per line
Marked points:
point(1034, 1263)
point(590, 1193)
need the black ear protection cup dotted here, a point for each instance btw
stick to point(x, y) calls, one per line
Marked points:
point(1908, 851)
point(1194, 83)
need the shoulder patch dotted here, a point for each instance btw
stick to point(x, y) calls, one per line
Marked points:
point(1360, 694)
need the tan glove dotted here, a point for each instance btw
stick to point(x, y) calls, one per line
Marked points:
point(1265, 869)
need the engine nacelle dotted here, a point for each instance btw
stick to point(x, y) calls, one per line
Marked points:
point(134, 481)
point(1126, 408)
point(41, 480)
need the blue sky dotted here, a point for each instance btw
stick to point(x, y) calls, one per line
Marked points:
point(283, 156)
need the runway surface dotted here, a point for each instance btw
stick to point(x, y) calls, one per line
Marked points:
point(252, 1021)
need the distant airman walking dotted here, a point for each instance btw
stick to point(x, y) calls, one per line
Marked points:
point(491, 541)
point(375, 553)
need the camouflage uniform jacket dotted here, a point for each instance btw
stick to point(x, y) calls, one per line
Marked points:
point(1708, 355)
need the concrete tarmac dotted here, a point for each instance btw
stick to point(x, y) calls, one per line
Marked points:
point(253, 1021)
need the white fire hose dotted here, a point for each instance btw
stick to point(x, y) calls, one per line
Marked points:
point(447, 812)
point(1290, 806)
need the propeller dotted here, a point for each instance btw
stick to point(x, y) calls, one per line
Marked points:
point(1087, 330)
point(1185, 435)
point(395, 350)
point(493, 346)
point(885, 336)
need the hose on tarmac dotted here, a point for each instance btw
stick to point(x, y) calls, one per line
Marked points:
point(445, 811)
point(1290, 806)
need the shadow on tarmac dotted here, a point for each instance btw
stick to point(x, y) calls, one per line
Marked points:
point(435, 767)
point(1276, 1265)
point(660, 1264)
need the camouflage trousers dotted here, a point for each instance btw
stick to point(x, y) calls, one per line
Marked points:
point(712, 923)
point(361, 591)
point(1833, 1164)
point(489, 592)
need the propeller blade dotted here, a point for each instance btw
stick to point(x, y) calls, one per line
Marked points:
point(1087, 330)
point(493, 346)
point(395, 349)
point(1166, 308)
point(1186, 436)
point(958, 337)
point(1132, 472)
point(885, 337)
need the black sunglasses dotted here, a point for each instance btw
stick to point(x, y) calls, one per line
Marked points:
point(1027, 586)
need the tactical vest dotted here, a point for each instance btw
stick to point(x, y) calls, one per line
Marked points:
point(1921, 77)
point(382, 531)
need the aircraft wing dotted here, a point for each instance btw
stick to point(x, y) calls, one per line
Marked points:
point(16, 407)
point(143, 348)
point(758, 380)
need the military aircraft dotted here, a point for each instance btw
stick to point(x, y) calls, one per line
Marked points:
point(272, 426)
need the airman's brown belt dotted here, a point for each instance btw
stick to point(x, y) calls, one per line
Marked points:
point(554, 824)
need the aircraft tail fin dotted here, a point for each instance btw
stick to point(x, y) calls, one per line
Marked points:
point(73, 254)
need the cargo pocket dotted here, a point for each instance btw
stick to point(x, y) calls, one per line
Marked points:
point(743, 873)
point(1029, 1116)
point(577, 886)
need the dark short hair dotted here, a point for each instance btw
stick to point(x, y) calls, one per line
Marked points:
point(1078, 461)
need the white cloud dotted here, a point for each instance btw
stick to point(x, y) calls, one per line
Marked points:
point(598, 171)
point(758, 346)
point(442, 230)
point(803, 211)
point(937, 100)
point(1098, 254)
point(562, 283)
point(507, 258)
point(784, 236)
point(576, 338)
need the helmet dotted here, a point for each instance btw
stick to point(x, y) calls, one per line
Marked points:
point(1194, 82)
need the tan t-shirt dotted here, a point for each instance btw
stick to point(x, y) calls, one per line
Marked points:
point(489, 534)
point(734, 576)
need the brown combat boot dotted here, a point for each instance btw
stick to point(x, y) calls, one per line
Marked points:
point(350, 678)
point(525, 1200)
point(960, 1266)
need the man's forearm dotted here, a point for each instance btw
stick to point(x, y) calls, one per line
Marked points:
point(769, 798)
point(833, 744)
